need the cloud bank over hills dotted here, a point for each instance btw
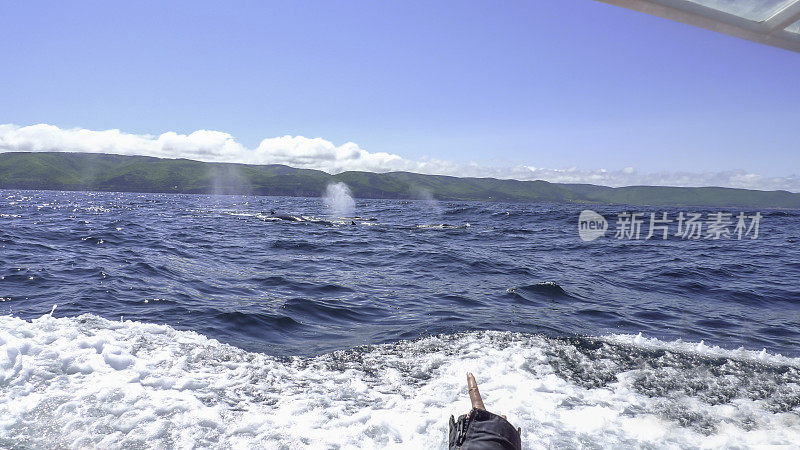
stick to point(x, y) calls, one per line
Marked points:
point(318, 153)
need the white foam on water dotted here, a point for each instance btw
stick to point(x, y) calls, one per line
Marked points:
point(93, 383)
point(443, 226)
point(701, 348)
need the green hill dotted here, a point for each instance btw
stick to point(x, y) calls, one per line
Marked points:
point(102, 172)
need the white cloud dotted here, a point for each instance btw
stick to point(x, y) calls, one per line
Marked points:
point(318, 153)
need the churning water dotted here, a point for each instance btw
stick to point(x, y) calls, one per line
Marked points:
point(211, 321)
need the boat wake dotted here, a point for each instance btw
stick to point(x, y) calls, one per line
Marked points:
point(90, 382)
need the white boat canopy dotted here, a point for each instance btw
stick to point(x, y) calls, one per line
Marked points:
point(771, 22)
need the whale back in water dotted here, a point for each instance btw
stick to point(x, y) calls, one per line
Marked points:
point(290, 218)
point(286, 217)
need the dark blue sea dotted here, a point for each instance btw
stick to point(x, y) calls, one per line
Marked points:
point(240, 321)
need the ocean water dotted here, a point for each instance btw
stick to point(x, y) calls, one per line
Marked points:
point(207, 321)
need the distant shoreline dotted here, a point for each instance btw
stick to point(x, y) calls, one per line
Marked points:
point(63, 171)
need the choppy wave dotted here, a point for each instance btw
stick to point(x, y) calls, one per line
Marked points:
point(548, 291)
point(91, 382)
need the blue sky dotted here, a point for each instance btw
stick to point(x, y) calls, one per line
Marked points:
point(553, 84)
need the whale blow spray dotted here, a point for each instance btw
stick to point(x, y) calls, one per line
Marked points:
point(428, 200)
point(339, 200)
